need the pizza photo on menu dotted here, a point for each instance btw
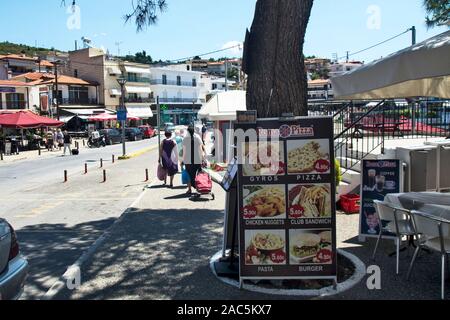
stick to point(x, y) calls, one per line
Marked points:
point(308, 157)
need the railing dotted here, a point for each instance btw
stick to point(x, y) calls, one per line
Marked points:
point(360, 128)
point(140, 100)
point(139, 80)
point(178, 100)
point(173, 83)
point(14, 105)
point(82, 102)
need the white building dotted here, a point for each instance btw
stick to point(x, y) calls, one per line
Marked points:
point(320, 90)
point(337, 69)
point(180, 91)
point(14, 64)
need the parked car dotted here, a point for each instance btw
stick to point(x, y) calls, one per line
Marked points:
point(13, 266)
point(134, 134)
point(112, 136)
point(148, 131)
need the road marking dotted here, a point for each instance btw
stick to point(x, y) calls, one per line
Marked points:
point(40, 210)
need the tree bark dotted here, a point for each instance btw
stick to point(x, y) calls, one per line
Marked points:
point(273, 58)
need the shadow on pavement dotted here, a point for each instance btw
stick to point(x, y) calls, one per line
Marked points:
point(51, 248)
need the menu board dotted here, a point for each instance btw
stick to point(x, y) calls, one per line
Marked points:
point(287, 213)
point(379, 178)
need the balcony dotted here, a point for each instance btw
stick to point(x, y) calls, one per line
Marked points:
point(139, 100)
point(13, 105)
point(81, 102)
point(173, 83)
point(178, 100)
point(138, 80)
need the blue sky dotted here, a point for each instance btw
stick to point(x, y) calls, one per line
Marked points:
point(191, 27)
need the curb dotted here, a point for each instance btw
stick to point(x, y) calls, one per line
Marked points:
point(138, 153)
point(75, 269)
point(360, 273)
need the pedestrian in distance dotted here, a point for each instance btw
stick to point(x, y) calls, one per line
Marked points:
point(67, 142)
point(60, 139)
point(193, 153)
point(50, 140)
point(169, 157)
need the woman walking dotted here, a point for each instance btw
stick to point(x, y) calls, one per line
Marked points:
point(169, 158)
point(193, 152)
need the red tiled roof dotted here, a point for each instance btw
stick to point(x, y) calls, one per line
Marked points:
point(68, 80)
point(46, 63)
point(33, 76)
point(12, 83)
point(18, 57)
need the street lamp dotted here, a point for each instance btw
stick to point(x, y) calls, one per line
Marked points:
point(122, 82)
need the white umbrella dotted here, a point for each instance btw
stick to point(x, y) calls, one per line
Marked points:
point(422, 70)
point(223, 106)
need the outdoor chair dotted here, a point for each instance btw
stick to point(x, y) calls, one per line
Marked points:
point(435, 233)
point(396, 221)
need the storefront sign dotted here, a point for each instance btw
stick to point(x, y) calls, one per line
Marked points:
point(287, 212)
point(246, 116)
point(379, 178)
point(7, 90)
point(121, 115)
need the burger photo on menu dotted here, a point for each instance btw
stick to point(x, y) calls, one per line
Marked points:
point(308, 156)
point(263, 159)
point(265, 247)
point(311, 247)
point(310, 201)
point(264, 202)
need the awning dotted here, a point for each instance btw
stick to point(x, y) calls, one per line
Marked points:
point(223, 106)
point(131, 89)
point(141, 112)
point(422, 70)
point(114, 71)
point(115, 92)
point(87, 112)
point(66, 119)
point(137, 70)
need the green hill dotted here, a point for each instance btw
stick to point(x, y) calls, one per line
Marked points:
point(13, 48)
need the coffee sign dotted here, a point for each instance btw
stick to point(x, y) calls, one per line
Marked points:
point(379, 178)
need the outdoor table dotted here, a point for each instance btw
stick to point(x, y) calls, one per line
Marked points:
point(434, 203)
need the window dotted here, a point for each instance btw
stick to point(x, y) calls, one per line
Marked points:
point(15, 101)
point(132, 77)
point(178, 81)
point(194, 82)
point(214, 86)
point(188, 68)
point(78, 95)
point(75, 73)
point(164, 79)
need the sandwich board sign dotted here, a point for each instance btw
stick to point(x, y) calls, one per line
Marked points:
point(286, 199)
point(379, 178)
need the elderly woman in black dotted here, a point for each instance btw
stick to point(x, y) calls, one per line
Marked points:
point(193, 153)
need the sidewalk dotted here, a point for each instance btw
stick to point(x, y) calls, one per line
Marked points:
point(162, 247)
point(34, 154)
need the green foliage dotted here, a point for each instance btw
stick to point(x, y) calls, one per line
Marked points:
point(337, 166)
point(13, 48)
point(140, 57)
point(438, 12)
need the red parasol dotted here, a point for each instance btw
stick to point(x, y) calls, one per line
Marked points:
point(27, 120)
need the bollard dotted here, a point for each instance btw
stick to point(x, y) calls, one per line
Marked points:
point(113, 158)
point(85, 168)
point(1, 156)
point(39, 150)
point(104, 176)
point(77, 145)
point(101, 163)
point(65, 176)
point(84, 143)
point(146, 175)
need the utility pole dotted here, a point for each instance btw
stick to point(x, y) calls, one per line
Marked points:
point(57, 90)
point(158, 110)
point(226, 74)
point(414, 33)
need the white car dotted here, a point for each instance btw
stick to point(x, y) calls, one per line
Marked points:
point(13, 266)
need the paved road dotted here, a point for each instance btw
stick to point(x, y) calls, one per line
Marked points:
point(57, 222)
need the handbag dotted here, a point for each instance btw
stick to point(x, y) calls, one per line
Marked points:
point(161, 173)
point(185, 178)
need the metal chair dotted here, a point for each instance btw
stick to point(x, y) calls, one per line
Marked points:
point(398, 222)
point(435, 235)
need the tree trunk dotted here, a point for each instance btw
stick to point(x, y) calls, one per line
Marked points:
point(273, 58)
